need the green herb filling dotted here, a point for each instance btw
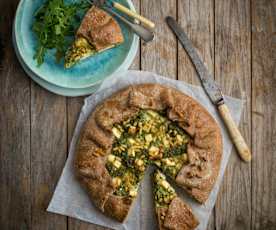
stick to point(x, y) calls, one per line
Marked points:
point(163, 191)
point(147, 138)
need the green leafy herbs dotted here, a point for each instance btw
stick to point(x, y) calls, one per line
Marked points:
point(54, 25)
point(175, 151)
point(163, 191)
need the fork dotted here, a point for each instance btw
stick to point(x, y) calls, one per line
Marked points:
point(142, 32)
point(146, 22)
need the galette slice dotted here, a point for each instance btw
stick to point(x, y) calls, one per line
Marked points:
point(98, 32)
point(171, 211)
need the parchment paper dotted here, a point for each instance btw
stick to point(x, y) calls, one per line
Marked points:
point(69, 197)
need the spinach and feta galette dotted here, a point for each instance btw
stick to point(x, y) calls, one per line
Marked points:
point(144, 125)
point(98, 32)
point(171, 211)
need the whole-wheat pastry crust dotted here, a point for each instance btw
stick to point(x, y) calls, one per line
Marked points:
point(179, 216)
point(100, 29)
point(204, 151)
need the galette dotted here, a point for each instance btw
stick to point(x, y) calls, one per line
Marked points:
point(142, 125)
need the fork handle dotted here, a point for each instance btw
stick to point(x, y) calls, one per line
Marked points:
point(235, 134)
point(131, 13)
point(146, 34)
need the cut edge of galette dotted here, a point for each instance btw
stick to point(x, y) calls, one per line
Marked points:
point(171, 211)
point(146, 138)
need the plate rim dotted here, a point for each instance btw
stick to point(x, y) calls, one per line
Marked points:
point(67, 92)
point(127, 61)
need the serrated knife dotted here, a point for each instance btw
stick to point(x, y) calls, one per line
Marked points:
point(212, 90)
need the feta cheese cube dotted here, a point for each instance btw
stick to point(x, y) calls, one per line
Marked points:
point(131, 152)
point(166, 142)
point(168, 162)
point(116, 181)
point(179, 138)
point(148, 138)
point(131, 141)
point(117, 164)
point(165, 184)
point(117, 133)
point(153, 151)
point(111, 158)
point(158, 163)
point(133, 192)
point(139, 162)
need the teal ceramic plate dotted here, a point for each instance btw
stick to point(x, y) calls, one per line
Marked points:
point(53, 88)
point(88, 72)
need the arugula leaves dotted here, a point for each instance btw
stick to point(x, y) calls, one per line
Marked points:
point(54, 25)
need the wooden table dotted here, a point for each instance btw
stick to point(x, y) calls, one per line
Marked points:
point(237, 40)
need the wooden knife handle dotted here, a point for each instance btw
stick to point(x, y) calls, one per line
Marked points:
point(131, 13)
point(235, 134)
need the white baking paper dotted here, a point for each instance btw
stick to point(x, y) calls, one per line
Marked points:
point(69, 197)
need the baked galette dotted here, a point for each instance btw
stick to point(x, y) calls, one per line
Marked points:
point(142, 125)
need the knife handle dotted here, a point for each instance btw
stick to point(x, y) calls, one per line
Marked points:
point(133, 14)
point(235, 134)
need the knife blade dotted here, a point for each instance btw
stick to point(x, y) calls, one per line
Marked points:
point(211, 88)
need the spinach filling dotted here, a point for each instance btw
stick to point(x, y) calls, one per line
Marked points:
point(163, 191)
point(147, 138)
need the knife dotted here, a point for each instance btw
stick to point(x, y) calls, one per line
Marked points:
point(212, 90)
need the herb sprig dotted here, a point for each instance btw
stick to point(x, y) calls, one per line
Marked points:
point(54, 26)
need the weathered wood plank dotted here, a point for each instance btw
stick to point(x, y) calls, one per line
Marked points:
point(15, 191)
point(73, 108)
point(159, 56)
point(48, 154)
point(233, 72)
point(263, 114)
point(197, 19)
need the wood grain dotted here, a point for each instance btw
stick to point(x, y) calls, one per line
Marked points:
point(264, 114)
point(15, 190)
point(233, 73)
point(48, 154)
point(199, 26)
point(159, 56)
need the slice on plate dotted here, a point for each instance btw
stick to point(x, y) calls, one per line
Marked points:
point(171, 211)
point(98, 31)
